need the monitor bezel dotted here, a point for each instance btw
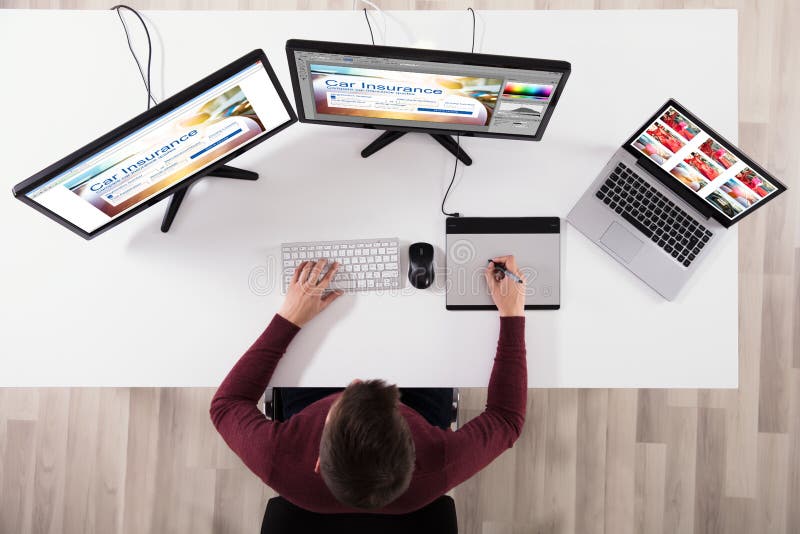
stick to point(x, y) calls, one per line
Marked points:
point(684, 192)
point(21, 189)
point(421, 54)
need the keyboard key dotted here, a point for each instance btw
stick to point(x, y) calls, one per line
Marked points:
point(639, 226)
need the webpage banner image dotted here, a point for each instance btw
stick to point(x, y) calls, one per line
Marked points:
point(414, 96)
point(168, 154)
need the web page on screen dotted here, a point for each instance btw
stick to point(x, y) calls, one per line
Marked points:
point(389, 92)
point(166, 151)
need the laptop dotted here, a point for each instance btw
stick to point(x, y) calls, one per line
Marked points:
point(666, 197)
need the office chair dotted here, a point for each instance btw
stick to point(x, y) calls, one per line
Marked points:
point(273, 406)
point(281, 516)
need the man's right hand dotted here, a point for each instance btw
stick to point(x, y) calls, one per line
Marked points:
point(507, 294)
point(308, 293)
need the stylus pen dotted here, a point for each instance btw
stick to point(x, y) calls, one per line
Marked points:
point(501, 267)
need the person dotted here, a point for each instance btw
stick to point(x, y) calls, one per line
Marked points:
point(364, 449)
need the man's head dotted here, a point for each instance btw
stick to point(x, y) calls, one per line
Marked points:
point(366, 456)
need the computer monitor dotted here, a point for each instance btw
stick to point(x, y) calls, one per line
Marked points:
point(431, 91)
point(160, 152)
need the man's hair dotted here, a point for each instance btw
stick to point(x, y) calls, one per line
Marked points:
point(366, 455)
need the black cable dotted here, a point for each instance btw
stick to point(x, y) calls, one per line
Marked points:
point(472, 50)
point(371, 36)
point(458, 137)
point(146, 81)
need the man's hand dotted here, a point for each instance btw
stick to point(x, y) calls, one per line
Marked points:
point(307, 295)
point(507, 294)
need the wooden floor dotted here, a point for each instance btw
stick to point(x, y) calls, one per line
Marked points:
point(589, 461)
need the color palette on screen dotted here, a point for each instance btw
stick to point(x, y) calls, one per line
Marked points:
point(527, 90)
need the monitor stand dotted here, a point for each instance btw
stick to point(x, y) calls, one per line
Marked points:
point(223, 171)
point(391, 136)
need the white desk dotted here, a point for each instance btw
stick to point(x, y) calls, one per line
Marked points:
point(139, 308)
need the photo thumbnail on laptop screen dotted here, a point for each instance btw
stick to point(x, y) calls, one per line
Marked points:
point(166, 151)
point(703, 164)
point(438, 95)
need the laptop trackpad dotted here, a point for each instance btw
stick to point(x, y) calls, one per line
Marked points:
point(623, 243)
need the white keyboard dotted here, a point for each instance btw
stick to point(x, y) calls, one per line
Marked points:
point(364, 264)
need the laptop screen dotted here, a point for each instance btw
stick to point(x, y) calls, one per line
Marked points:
point(704, 163)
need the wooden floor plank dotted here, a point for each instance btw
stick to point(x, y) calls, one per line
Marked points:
point(18, 461)
point(590, 479)
point(776, 358)
point(739, 515)
point(51, 461)
point(530, 453)
point(793, 458)
point(710, 471)
point(141, 460)
point(620, 456)
point(239, 502)
point(650, 415)
point(110, 455)
point(82, 436)
point(796, 312)
point(686, 398)
point(679, 490)
point(650, 479)
point(772, 482)
point(561, 459)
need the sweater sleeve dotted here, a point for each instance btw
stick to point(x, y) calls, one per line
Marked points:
point(234, 410)
point(484, 438)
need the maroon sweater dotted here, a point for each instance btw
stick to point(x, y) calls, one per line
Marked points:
point(283, 454)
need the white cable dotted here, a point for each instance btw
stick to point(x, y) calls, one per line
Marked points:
point(379, 10)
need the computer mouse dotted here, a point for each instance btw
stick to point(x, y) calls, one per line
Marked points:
point(420, 265)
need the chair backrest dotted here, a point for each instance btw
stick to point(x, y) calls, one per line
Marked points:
point(282, 517)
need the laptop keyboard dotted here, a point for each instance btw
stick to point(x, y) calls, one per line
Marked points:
point(657, 217)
